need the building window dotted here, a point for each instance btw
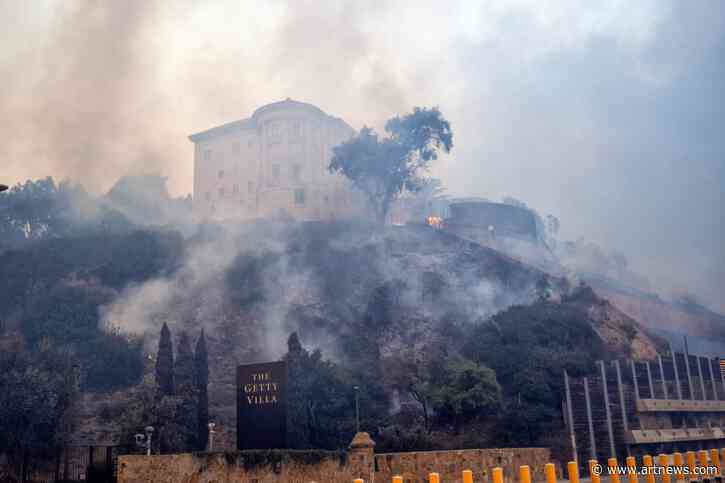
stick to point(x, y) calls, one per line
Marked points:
point(235, 147)
point(274, 134)
point(295, 131)
point(250, 187)
point(235, 189)
point(275, 173)
point(221, 192)
point(296, 172)
point(207, 154)
point(299, 197)
point(221, 173)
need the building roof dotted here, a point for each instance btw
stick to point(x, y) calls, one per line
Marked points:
point(251, 122)
point(227, 128)
point(287, 103)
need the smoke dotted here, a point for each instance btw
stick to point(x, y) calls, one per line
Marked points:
point(606, 114)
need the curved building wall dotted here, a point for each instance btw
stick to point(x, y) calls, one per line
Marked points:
point(273, 164)
point(506, 221)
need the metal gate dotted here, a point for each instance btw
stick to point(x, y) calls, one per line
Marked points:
point(93, 464)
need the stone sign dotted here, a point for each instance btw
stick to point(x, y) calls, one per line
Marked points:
point(262, 406)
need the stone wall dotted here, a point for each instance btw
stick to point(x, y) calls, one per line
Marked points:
point(237, 467)
point(328, 467)
point(274, 466)
point(414, 467)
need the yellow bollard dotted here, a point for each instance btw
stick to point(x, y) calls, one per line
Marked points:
point(715, 459)
point(524, 474)
point(358, 480)
point(613, 475)
point(467, 476)
point(690, 455)
point(573, 471)
point(434, 478)
point(647, 461)
point(594, 475)
point(550, 472)
point(497, 475)
point(664, 462)
point(397, 479)
point(632, 466)
point(678, 463)
point(702, 458)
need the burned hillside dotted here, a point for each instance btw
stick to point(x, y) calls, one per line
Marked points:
point(381, 308)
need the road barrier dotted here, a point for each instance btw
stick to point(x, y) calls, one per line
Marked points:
point(703, 466)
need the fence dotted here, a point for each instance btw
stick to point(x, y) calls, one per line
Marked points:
point(674, 403)
point(94, 464)
point(703, 466)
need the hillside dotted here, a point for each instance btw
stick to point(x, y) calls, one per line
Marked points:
point(372, 301)
point(657, 313)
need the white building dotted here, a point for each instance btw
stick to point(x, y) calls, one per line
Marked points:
point(273, 164)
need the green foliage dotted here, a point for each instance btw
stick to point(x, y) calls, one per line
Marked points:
point(38, 390)
point(383, 168)
point(444, 389)
point(184, 365)
point(529, 347)
point(37, 210)
point(165, 363)
point(468, 391)
point(320, 410)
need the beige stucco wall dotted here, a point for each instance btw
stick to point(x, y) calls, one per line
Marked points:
point(274, 165)
point(222, 468)
point(417, 465)
point(360, 462)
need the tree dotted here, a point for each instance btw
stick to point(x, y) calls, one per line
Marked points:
point(470, 391)
point(201, 386)
point(165, 363)
point(38, 392)
point(383, 168)
point(184, 365)
point(186, 408)
point(320, 401)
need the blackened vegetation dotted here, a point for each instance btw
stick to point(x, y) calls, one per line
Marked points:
point(450, 343)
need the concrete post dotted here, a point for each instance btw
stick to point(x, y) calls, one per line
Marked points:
point(649, 381)
point(570, 416)
point(610, 429)
point(677, 373)
point(662, 375)
point(622, 403)
point(702, 378)
point(590, 421)
point(362, 456)
point(712, 380)
point(634, 378)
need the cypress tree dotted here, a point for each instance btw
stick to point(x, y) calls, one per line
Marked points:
point(186, 411)
point(165, 363)
point(184, 366)
point(201, 384)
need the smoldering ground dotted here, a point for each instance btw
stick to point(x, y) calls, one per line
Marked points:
point(253, 284)
point(608, 115)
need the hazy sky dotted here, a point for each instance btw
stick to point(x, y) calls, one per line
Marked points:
point(608, 114)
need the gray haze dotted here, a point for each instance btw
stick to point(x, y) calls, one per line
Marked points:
point(609, 115)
